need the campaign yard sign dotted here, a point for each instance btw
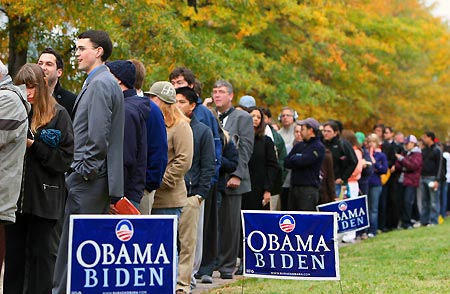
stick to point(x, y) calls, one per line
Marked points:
point(352, 213)
point(290, 245)
point(122, 254)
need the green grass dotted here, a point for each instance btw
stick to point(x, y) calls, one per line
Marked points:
point(402, 261)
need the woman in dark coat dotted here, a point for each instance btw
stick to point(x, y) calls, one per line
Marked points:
point(263, 166)
point(29, 261)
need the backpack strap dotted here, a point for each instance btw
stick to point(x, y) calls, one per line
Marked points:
point(18, 93)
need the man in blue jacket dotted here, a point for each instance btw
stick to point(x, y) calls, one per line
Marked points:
point(198, 183)
point(305, 161)
point(208, 224)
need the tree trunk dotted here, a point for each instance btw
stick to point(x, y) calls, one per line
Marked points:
point(19, 36)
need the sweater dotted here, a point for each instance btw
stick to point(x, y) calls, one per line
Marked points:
point(380, 166)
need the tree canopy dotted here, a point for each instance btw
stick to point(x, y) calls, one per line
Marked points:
point(358, 61)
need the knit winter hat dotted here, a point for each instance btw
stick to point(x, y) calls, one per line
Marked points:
point(360, 137)
point(123, 70)
point(164, 91)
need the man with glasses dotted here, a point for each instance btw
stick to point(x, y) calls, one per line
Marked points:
point(305, 161)
point(96, 173)
point(287, 119)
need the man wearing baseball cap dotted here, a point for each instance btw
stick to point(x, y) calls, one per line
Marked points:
point(305, 161)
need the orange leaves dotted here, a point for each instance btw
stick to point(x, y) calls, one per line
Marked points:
point(335, 56)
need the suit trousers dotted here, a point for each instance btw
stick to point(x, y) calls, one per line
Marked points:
point(210, 233)
point(229, 232)
point(187, 235)
point(85, 197)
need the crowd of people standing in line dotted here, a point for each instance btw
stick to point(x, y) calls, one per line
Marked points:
point(66, 154)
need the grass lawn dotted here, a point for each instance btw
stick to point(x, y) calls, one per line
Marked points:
point(402, 261)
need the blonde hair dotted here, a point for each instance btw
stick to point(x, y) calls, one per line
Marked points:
point(172, 114)
point(33, 76)
point(373, 138)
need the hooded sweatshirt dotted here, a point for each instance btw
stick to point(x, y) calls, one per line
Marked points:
point(410, 166)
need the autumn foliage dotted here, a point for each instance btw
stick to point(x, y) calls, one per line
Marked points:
point(359, 61)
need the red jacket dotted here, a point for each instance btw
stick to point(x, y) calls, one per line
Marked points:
point(411, 166)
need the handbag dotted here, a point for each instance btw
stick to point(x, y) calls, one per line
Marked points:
point(385, 177)
point(51, 137)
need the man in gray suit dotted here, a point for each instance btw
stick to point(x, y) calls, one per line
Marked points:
point(96, 173)
point(239, 124)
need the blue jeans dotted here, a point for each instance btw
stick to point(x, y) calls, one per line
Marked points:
point(168, 211)
point(409, 194)
point(374, 201)
point(430, 202)
point(444, 199)
point(171, 211)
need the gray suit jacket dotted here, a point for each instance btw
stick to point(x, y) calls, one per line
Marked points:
point(98, 128)
point(240, 126)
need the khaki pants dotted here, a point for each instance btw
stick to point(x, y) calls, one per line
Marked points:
point(187, 235)
point(145, 207)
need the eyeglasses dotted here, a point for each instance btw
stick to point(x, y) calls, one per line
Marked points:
point(82, 48)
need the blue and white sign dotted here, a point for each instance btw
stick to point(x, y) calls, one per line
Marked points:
point(352, 213)
point(290, 245)
point(122, 254)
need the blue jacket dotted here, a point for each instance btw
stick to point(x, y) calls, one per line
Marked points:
point(305, 160)
point(135, 145)
point(156, 148)
point(198, 178)
point(204, 115)
point(380, 167)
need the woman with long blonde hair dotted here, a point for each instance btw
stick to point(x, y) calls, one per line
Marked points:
point(29, 257)
point(171, 196)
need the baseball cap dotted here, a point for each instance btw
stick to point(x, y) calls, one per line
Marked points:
point(309, 121)
point(164, 91)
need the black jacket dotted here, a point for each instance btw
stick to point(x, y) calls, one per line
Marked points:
point(263, 167)
point(230, 160)
point(43, 192)
point(64, 98)
point(203, 168)
point(432, 162)
point(305, 160)
point(344, 158)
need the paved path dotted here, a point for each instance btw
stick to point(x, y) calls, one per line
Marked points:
point(217, 282)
